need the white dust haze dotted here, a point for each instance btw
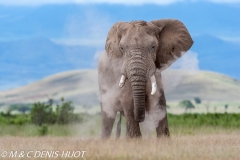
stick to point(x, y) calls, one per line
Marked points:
point(89, 29)
point(85, 33)
point(187, 64)
point(189, 61)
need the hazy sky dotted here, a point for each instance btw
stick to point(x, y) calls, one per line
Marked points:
point(126, 2)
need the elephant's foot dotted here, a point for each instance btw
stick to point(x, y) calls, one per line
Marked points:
point(133, 130)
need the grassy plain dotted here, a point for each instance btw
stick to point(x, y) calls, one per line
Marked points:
point(193, 136)
point(188, 147)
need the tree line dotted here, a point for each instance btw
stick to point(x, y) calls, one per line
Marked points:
point(41, 113)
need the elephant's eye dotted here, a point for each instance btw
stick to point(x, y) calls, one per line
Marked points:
point(153, 48)
point(121, 48)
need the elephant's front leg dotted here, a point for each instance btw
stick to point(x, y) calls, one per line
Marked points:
point(107, 123)
point(133, 129)
point(162, 126)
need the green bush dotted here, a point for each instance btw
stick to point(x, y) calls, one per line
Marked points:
point(42, 113)
point(18, 119)
point(64, 112)
point(43, 130)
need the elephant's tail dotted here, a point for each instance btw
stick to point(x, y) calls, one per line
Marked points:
point(119, 125)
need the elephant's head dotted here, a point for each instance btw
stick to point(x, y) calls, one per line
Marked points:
point(145, 46)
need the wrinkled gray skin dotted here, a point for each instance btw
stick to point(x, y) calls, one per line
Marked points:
point(138, 50)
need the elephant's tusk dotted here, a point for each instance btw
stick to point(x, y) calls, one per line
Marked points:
point(122, 81)
point(154, 84)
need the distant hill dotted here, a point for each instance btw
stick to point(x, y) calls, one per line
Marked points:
point(81, 87)
point(211, 86)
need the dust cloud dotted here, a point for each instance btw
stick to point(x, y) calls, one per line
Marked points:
point(96, 57)
point(187, 64)
point(189, 61)
point(86, 32)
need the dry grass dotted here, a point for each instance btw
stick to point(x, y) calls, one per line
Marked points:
point(205, 146)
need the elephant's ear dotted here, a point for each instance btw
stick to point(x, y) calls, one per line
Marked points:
point(174, 41)
point(113, 39)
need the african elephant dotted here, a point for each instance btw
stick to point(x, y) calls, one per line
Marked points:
point(129, 72)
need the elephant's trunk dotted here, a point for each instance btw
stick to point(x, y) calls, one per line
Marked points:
point(139, 93)
point(137, 74)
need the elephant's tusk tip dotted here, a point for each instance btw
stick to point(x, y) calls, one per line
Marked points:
point(153, 93)
point(121, 85)
point(154, 89)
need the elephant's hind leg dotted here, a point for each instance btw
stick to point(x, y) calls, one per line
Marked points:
point(162, 129)
point(107, 124)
